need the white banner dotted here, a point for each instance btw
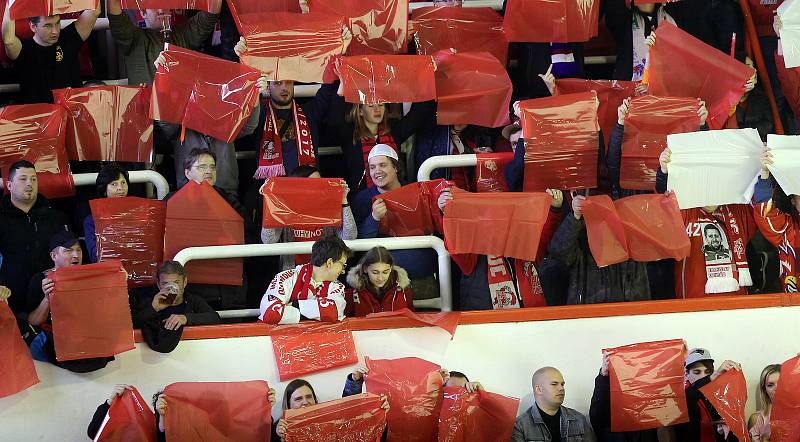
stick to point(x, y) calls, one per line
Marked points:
point(789, 13)
point(785, 165)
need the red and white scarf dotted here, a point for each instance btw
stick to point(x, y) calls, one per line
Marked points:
point(302, 234)
point(502, 291)
point(367, 143)
point(303, 289)
point(727, 273)
point(270, 154)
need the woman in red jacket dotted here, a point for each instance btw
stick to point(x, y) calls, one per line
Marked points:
point(377, 285)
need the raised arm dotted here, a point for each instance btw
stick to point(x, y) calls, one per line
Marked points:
point(85, 23)
point(10, 40)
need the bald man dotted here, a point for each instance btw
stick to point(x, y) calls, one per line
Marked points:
point(547, 420)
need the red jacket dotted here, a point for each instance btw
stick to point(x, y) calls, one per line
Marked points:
point(782, 231)
point(361, 302)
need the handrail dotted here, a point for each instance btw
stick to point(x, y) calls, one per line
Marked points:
point(136, 176)
point(440, 161)
point(301, 248)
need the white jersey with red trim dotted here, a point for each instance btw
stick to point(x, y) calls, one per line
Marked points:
point(276, 305)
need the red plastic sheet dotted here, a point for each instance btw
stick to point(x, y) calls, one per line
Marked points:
point(131, 229)
point(477, 416)
point(303, 349)
point(90, 311)
point(372, 79)
point(36, 132)
point(240, 7)
point(201, 5)
point(683, 66)
point(647, 385)
point(414, 388)
point(198, 216)
point(16, 365)
point(128, 419)
point(471, 88)
point(353, 418)
point(728, 395)
point(497, 224)
point(413, 210)
point(288, 46)
point(490, 172)
point(561, 142)
point(790, 83)
point(654, 228)
point(785, 417)
point(307, 202)
point(650, 119)
point(446, 321)
point(544, 21)
point(378, 26)
point(108, 123)
point(37, 8)
point(208, 94)
point(218, 412)
point(439, 28)
point(610, 93)
point(604, 229)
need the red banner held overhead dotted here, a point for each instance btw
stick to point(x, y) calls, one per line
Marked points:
point(303, 349)
point(561, 142)
point(353, 418)
point(307, 202)
point(604, 229)
point(647, 388)
point(241, 7)
point(728, 395)
point(545, 21)
point(471, 88)
point(108, 123)
point(785, 417)
point(97, 291)
point(490, 171)
point(200, 5)
point(653, 226)
point(378, 26)
point(479, 416)
point(225, 411)
point(45, 8)
point(16, 365)
point(439, 28)
point(128, 419)
point(198, 216)
point(610, 94)
point(387, 78)
point(446, 321)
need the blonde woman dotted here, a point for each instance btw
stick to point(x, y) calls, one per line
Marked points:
point(759, 421)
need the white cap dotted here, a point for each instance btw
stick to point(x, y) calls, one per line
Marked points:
point(697, 355)
point(382, 150)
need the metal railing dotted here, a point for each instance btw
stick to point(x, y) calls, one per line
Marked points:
point(444, 302)
point(136, 176)
point(442, 161)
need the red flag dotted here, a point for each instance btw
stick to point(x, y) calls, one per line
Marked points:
point(463, 29)
point(198, 216)
point(447, 321)
point(610, 93)
point(490, 171)
point(545, 21)
point(477, 416)
point(128, 419)
point(307, 202)
point(353, 418)
point(497, 224)
point(373, 79)
point(785, 417)
point(218, 411)
point(241, 7)
point(412, 210)
point(130, 229)
point(208, 94)
point(90, 311)
point(288, 46)
point(604, 230)
point(790, 83)
point(650, 119)
point(471, 88)
point(683, 66)
point(647, 388)
point(561, 141)
point(378, 26)
point(16, 365)
point(653, 226)
point(37, 8)
point(108, 123)
point(414, 388)
point(201, 5)
point(37, 133)
point(728, 395)
point(310, 348)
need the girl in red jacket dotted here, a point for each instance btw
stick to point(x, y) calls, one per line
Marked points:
point(377, 285)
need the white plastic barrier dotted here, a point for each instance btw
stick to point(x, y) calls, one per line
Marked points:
point(444, 302)
point(136, 176)
point(441, 161)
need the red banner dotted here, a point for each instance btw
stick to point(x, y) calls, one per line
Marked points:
point(477, 416)
point(561, 142)
point(604, 230)
point(16, 365)
point(37, 132)
point(728, 395)
point(198, 216)
point(490, 172)
point(241, 7)
point(378, 26)
point(654, 228)
point(610, 93)
point(130, 229)
point(471, 88)
point(545, 21)
point(307, 202)
point(462, 29)
point(38, 8)
point(225, 411)
point(790, 83)
point(353, 418)
point(287, 46)
point(785, 417)
point(647, 388)
point(208, 94)
point(387, 78)
point(650, 119)
point(90, 311)
point(446, 321)
point(303, 349)
point(413, 210)
point(414, 388)
point(683, 66)
point(108, 123)
point(201, 5)
point(128, 419)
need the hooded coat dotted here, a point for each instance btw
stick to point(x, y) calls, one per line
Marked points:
point(361, 302)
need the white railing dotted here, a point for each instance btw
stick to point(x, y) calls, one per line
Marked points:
point(441, 161)
point(444, 302)
point(136, 176)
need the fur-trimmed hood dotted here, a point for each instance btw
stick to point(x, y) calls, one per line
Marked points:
point(356, 281)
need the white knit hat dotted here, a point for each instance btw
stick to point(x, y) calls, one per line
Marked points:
point(384, 150)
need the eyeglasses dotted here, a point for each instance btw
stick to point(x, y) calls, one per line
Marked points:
point(206, 167)
point(343, 264)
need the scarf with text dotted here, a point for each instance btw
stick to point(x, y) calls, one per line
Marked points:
point(726, 270)
point(270, 154)
point(302, 234)
point(502, 290)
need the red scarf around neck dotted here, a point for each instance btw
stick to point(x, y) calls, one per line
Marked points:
point(270, 154)
point(303, 234)
point(303, 287)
